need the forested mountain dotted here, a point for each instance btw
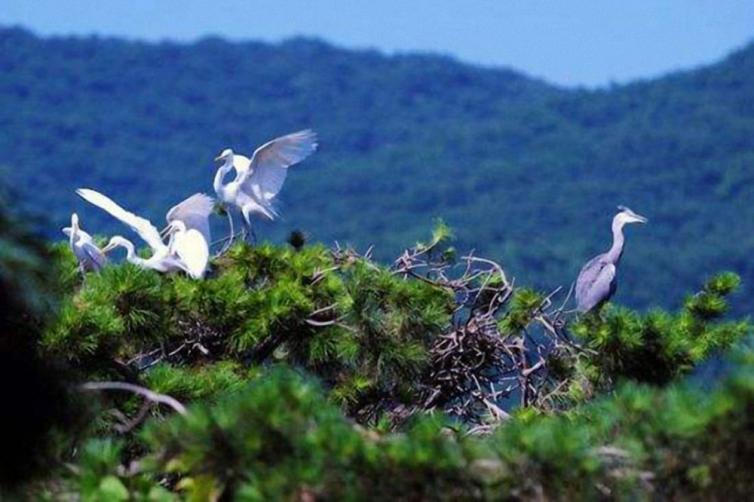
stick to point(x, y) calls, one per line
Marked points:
point(523, 171)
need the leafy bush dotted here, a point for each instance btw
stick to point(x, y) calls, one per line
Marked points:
point(278, 438)
point(295, 362)
point(658, 346)
point(361, 328)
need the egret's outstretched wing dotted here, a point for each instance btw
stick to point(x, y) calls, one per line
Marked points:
point(140, 225)
point(194, 212)
point(595, 284)
point(270, 163)
point(193, 250)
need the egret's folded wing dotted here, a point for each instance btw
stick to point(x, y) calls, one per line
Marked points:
point(193, 250)
point(194, 212)
point(95, 255)
point(140, 225)
point(270, 162)
point(241, 164)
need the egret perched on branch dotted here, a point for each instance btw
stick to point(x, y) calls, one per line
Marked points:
point(597, 282)
point(259, 179)
point(89, 256)
point(187, 249)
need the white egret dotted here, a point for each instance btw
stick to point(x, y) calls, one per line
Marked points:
point(259, 179)
point(187, 249)
point(158, 262)
point(89, 256)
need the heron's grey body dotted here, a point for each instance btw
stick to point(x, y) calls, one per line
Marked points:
point(597, 280)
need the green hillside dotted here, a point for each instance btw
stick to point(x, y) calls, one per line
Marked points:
point(524, 172)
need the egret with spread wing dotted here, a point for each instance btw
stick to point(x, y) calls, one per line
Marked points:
point(597, 281)
point(259, 179)
point(89, 256)
point(187, 249)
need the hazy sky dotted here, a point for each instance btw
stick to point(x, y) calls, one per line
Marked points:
point(570, 42)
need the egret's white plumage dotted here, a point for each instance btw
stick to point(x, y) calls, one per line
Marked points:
point(157, 262)
point(187, 249)
point(270, 162)
point(191, 247)
point(194, 212)
point(141, 226)
point(88, 254)
point(259, 179)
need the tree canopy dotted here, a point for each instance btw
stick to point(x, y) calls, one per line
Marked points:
point(524, 171)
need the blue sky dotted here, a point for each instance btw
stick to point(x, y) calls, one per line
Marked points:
point(569, 42)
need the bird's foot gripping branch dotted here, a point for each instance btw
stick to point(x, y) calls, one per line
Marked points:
point(393, 350)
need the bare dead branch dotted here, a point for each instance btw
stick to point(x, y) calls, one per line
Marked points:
point(135, 389)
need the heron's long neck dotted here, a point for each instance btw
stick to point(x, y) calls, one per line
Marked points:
point(615, 252)
point(217, 184)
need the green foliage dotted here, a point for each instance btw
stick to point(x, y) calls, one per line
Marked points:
point(279, 439)
point(369, 340)
point(391, 323)
point(268, 431)
point(525, 303)
point(114, 314)
point(674, 443)
point(279, 349)
point(657, 347)
point(99, 477)
point(203, 382)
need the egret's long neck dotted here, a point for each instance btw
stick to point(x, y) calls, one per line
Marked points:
point(130, 252)
point(217, 184)
point(618, 241)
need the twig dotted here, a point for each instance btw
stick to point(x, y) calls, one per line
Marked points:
point(135, 389)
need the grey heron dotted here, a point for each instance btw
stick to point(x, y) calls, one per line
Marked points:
point(597, 282)
point(258, 180)
point(89, 256)
point(187, 248)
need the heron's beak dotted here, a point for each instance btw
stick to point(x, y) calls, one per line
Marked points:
point(640, 219)
point(218, 158)
point(165, 230)
point(108, 248)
